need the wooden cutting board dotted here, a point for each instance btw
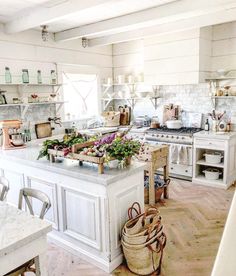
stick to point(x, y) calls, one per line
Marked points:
point(43, 130)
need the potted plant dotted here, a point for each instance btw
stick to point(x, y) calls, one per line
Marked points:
point(123, 149)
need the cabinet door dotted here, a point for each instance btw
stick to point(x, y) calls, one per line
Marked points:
point(16, 182)
point(81, 212)
point(50, 190)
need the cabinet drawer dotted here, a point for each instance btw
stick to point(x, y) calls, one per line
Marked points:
point(207, 143)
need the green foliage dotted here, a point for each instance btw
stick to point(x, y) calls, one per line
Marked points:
point(48, 144)
point(122, 148)
point(59, 145)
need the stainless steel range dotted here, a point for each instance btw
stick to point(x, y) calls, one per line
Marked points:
point(181, 148)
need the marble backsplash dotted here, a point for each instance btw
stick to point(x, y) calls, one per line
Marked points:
point(35, 114)
point(191, 98)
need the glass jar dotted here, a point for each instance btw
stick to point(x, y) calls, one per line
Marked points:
point(25, 76)
point(8, 78)
point(39, 77)
point(53, 77)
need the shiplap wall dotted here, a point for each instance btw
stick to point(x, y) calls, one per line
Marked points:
point(173, 58)
point(167, 59)
point(182, 58)
point(224, 46)
point(26, 50)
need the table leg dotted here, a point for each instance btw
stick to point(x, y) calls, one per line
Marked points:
point(41, 265)
point(151, 186)
point(166, 176)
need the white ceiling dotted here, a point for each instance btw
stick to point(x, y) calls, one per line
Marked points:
point(9, 9)
point(112, 21)
point(109, 10)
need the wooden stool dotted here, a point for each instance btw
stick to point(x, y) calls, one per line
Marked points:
point(156, 158)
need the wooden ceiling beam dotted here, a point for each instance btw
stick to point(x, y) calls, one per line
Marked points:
point(180, 25)
point(166, 13)
point(49, 13)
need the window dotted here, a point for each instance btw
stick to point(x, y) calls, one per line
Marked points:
point(81, 95)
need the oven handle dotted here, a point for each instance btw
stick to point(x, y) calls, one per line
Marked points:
point(166, 143)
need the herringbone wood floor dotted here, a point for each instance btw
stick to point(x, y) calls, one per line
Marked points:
point(193, 217)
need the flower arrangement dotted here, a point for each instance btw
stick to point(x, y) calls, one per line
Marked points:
point(123, 148)
point(114, 146)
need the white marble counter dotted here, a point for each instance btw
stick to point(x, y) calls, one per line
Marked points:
point(18, 228)
point(214, 135)
point(88, 172)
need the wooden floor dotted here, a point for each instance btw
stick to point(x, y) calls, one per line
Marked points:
point(193, 218)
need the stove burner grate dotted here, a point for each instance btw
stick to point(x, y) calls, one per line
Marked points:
point(183, 130)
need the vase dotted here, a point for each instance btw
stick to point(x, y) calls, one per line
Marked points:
point(128, 160)
point(214, 125)
point(113, 164)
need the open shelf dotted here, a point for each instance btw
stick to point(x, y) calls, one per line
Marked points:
point(220, 78)
point(201, 178)
point(123, 83)
point(30, 84)
point(223, 97)
point(204, 163)
point(27, 104)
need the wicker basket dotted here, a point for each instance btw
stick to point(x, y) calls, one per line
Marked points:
point(143, 240)
point(158, 193)
point(112, 118)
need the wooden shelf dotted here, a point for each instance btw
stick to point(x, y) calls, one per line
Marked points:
point(204, 163)
point(30, 84)
point(219, 183)
point(202, 178)
point(27, 104)
point(220, 78)
point(223, 97)
point(121, 84)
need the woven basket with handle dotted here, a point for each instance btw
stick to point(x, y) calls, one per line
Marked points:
point(143, 240)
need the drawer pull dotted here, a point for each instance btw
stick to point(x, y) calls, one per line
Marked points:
point(186, 171)
point(171, 168)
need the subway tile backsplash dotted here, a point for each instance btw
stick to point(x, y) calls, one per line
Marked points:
point(35, 114)
point(192, 98)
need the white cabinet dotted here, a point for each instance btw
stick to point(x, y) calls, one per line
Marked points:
point(81, 216)
point(213, 142)
point(87, 212)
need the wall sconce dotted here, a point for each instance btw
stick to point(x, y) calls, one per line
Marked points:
point(84, 42)
point(45, 33)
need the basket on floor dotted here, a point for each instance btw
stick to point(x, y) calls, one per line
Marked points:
point(158, 192)
point(143, 240)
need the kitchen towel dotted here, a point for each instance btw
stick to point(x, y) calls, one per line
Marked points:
point(183, 155)
point(174, 154)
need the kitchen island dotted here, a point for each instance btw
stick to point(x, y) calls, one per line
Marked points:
point(88, 209)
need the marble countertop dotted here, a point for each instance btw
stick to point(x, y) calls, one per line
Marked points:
point(18, 228)
point(215, 135)
point(71, 168)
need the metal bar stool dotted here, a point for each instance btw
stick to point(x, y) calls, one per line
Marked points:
point(4, 187)
point(28, 194)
